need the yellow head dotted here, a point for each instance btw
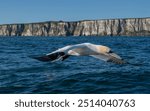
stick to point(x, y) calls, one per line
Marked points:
point(103, 49)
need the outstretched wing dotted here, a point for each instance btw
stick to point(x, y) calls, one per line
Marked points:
point(116, 60)
point(60, 54)
point(112, 57)
point(52, 57)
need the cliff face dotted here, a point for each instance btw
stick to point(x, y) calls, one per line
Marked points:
point(110, 27)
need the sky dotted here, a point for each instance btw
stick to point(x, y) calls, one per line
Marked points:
point(27, 11)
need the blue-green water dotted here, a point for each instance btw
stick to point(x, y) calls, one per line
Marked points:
point(21, 74)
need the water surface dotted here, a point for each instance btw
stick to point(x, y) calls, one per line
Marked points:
point(21, 74)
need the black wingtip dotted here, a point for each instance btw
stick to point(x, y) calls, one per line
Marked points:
point(51, 57)
point(43, 58)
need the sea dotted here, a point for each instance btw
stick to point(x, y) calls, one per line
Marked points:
point(21, 74)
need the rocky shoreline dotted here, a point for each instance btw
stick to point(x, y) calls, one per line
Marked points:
point(104, 27)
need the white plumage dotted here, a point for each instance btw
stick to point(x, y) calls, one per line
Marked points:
point(85, 49)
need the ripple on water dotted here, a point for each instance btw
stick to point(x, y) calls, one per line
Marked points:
point(21, 74)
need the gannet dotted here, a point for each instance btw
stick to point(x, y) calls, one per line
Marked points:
point(84, 49)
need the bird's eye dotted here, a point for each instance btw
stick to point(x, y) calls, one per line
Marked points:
point(110, 51)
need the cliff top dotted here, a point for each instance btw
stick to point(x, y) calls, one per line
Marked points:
point(75, 21)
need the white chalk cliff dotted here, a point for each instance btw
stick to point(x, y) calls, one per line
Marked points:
point(105, 27)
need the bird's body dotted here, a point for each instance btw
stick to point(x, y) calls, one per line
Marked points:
point(85, 49)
